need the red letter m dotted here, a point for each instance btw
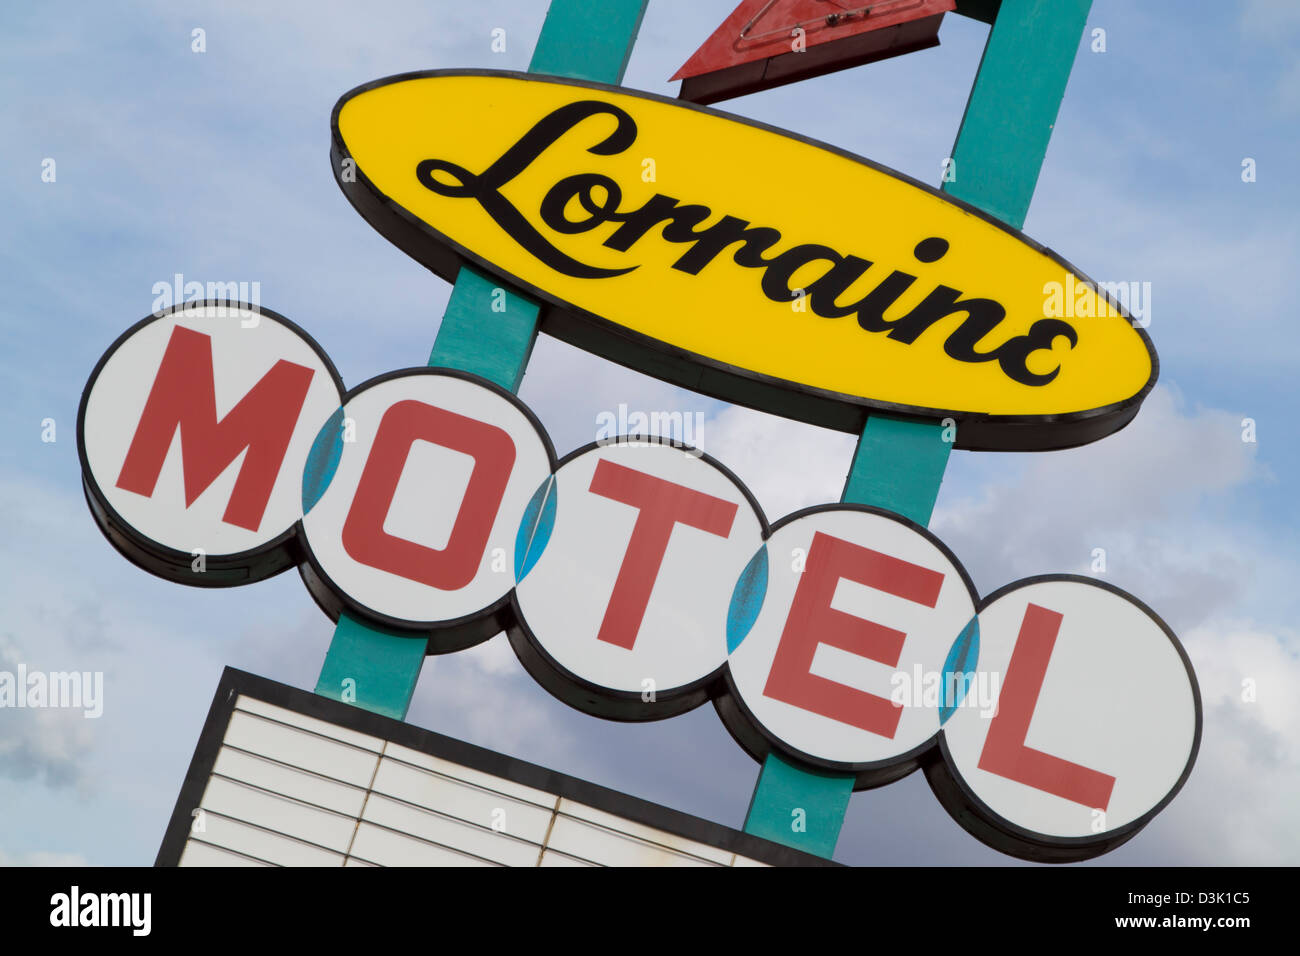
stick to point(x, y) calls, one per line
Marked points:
point(184, 397)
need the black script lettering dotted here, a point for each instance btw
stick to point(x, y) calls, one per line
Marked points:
point(680, 222)
point(982, 316)
point(580, 187)
point(1013, 355)
point(600, 198)
point(781, 269)
point(871, 310)
point(931, 250)
point(824, 291)
point(485, 187)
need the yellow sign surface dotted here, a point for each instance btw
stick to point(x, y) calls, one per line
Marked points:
point(741, 260)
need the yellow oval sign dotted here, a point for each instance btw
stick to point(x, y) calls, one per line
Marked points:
point(739, 260)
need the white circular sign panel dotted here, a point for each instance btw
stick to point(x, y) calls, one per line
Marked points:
point(414, 498)
point(193, 433)
point(859, 613)
point(1097, 720)
point(627, 597)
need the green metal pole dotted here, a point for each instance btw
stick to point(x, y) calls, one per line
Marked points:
point(376, 669)
point(1012, 108)
point(899, 463)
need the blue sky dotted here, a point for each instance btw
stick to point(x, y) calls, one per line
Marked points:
point(215, 165)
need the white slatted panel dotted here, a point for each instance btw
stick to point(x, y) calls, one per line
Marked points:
point(292, 790)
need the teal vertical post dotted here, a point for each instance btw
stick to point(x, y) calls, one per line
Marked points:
point(1012, 108)
point(899, 463)
point(797, 807)
point(588, 41)
point(376, 669)
point(487, 329)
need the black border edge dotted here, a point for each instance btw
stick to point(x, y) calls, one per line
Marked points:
point(200, 769)
point(235, 683)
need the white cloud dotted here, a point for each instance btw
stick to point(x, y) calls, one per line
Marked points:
point(42, 858)
point(1288, 88)
point(1136, 493)
point(568, 389)
point(1269, 20)
point(49, 744)
point(485, 696)
point(1239, 805)
point(786, 464)
point(1154, 496)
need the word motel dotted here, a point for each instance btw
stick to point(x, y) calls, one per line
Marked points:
point(630, 565)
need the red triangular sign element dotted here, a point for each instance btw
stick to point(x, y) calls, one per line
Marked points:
point(766, 43)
